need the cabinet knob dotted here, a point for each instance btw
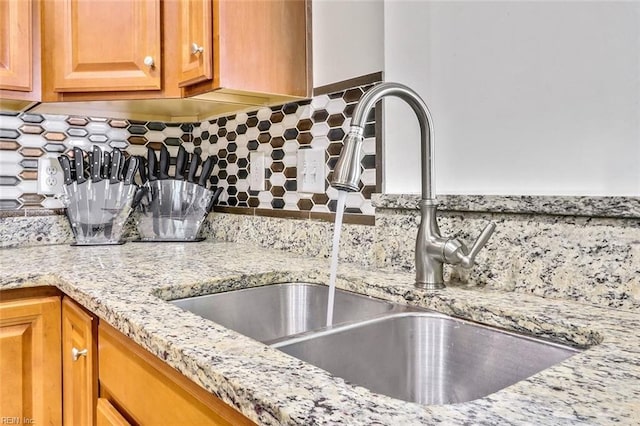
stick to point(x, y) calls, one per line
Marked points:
point(75, 353)
point(195, 49)
point(148, 61)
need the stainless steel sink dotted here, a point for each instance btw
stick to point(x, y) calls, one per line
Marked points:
point(425, 357)
point(272, 312)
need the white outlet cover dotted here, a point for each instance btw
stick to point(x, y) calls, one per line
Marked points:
point(311, 173)
point(50, 178)
point(256, 171)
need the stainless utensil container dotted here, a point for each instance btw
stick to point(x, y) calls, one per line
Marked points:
point(172, 210)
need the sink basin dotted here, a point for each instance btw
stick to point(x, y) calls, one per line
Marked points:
point(425, 357)
point(272, 312)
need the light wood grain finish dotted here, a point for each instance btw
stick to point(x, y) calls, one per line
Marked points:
point(260, 46)
point(15, 45)
point(107, 415)
point(80, 377)
point(101, 45)
point(147, 391)
point(195, 27)
point(30, 372)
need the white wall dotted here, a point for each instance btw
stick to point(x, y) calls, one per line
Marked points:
point(527, 97)
point(348, 39)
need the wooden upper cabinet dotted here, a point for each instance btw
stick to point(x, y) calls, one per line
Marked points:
point(104, 45)
point(196, 37)
point(16, 34)
point(259, 46)
point(79, 365)
point(30, 373)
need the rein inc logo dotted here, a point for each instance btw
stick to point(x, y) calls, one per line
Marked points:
point(17, 421)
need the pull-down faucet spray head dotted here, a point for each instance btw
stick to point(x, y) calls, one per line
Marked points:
point(346, 174)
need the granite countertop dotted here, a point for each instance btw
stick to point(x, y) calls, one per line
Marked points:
point(125, 286)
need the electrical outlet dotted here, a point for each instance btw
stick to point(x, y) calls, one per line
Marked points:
point(50, 179)
point(311, 174)
point(256, 171)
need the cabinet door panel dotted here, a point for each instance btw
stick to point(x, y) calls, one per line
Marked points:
point(30, 360)
point(101, 45)
point(79, 363)
point(16, 45)
point(195, 41)
point(108, 415)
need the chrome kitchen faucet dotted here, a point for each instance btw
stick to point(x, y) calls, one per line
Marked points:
point(432, 250)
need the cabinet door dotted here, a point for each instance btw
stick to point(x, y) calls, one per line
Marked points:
point(16, 34)
point(104, 45)
point(30, 373)
point(195, 41)
point(79, 364)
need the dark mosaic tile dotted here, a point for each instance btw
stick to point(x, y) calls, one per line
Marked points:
point(291, 185)
point(232, 190)
point(305, 204)
point(222, 132)
point(277, 203)
point(304, 124)
point(243, 163)
point(205, 135)
point(241, 129)
point(335, 120)
point(290, 134)
point(305, 138)
point(320, 116)
point(243, 197)
point(31, 199)
point(231, 136)
point(137, 130)
point(369, 161)
point(276, 117)
point(232, 147)
point(348, 111)
point(137, 122)
point(264, 125)
point(243, 174)
point(277, 154)
point(277, 191)
point(187, 127)
point(252, 145)
point(264, 137)
point(252, 122)
point(335, 134)
point(232, 201)
point(290, 108)
point(172, 141)
point(320, 199)
point(154, 125)
point(223, 165)
point(222, 121)
point(352, 95)
point(253, 201)
point(277, 142)
point(232, 158)
point(137, 140)
point(197, 150)
point(334, 148)
point(336, 95)
point(213, 138)
point(367, 191)
point(223, 153)
point(369, 130)
point(277, 166)
point(186, 137)
point(332, 162)
point(290, 172)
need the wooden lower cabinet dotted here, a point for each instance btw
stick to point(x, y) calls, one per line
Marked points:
point(79, 364)
point(30, 372)
point(108, 415)
point(146, 391)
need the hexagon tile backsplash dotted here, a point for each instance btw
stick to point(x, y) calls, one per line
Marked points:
point(278, 132)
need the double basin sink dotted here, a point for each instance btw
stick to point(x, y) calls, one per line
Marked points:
point(407, 353)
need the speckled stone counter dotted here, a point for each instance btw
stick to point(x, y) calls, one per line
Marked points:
point(127, 286)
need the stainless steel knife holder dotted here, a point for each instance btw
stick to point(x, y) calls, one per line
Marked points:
point(172, 210)
point(97, 211)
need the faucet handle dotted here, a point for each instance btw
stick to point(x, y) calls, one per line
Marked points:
point(454, 250)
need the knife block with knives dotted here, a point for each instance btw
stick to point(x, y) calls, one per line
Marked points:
point(99, 194)
point(174, 208)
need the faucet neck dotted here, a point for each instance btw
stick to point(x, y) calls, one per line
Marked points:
point(369, 100)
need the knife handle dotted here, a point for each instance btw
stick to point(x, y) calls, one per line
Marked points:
point(193, 168)
point(132, 168)
point(152, 162)
point(116, 160)
point(96, 164)
point(215, 197)
point(106, 165)
point(181, 163)
point(78, 159)
point(142, 168)
point(165, 161)
point(65, 163)
point(207, 168)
